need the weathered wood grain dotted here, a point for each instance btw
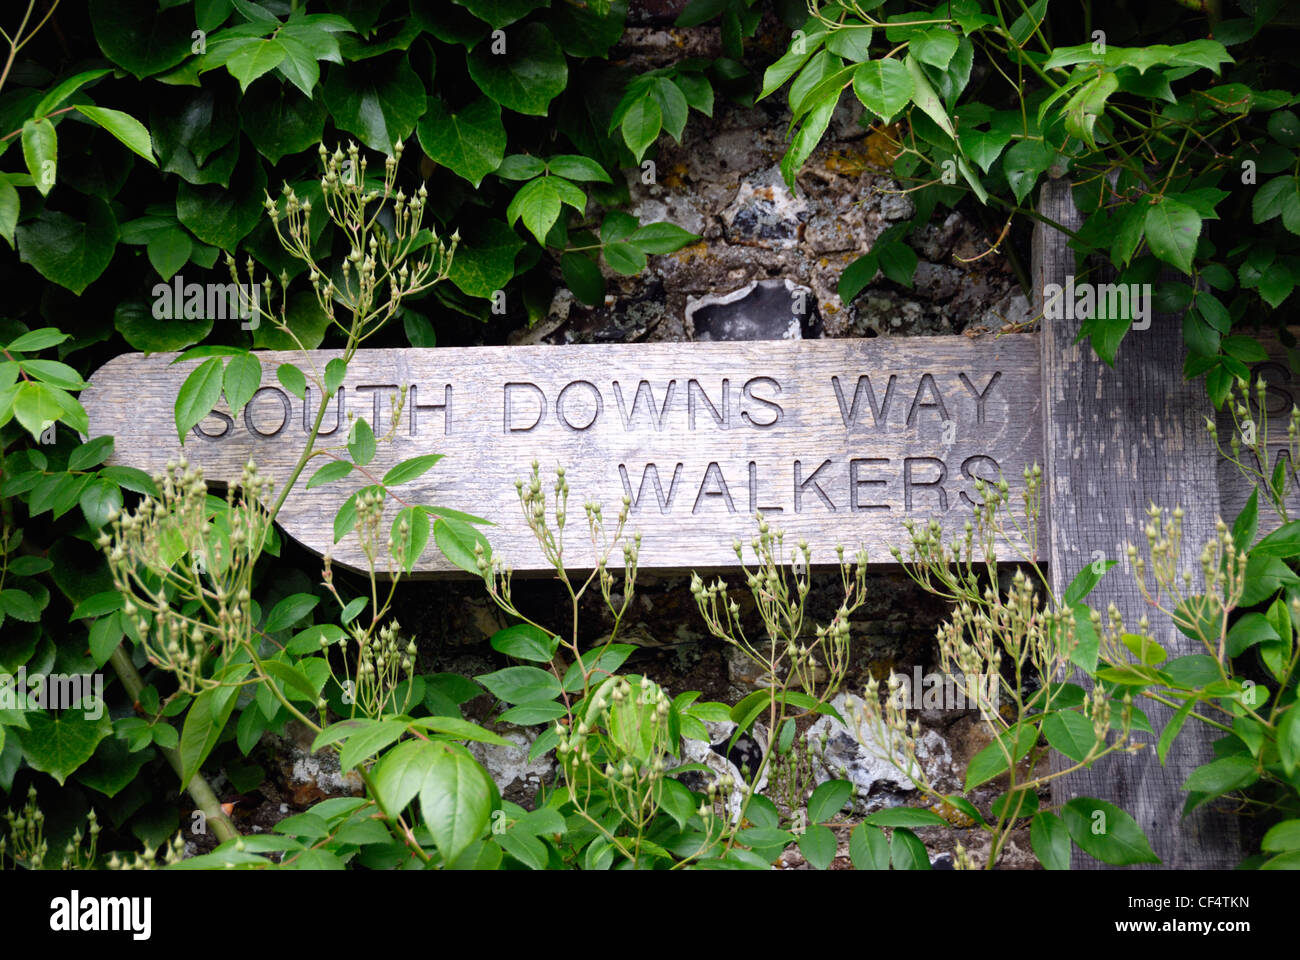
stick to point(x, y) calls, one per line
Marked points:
point(913, 422)
point(1118, 440)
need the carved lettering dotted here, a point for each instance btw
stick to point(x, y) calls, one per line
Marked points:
point(801, 484)
point(856, 482)
point(651, 472)
point(414, 401)
point(747, 391)
point(507, 416)
point(713, 473)
point(909, 481)
point(722, 419)
point(849, 414)
point(927, 383)
point(597, 408)
point(656, 415)
point(285, 407)
point(981, 396)
point(753, 493)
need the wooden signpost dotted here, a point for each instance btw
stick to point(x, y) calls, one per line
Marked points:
point(835, 440)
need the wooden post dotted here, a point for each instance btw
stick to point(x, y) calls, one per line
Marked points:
point(1116, 441)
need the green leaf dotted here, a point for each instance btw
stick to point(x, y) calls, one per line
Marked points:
point(583, 278)
point(408, 470)
point(828, 799)
point(524, 641)
point(809, 135)
point(470, 143)
point(485, 260)
point(242, 379)
point(992, 761)
point(574, 167)
point(817, 844)
point(379, 100)
point(407, 549)
point(521, 684)
point(19, 605)
point(456, 799)
point(463, 729)
point(641, 126)
point(204, 722)
point(923, 96)
point(41, 151)
point(1085, 581)
point(66, 251)
point(254, 57)
point(1282, 836)
point(624, 258)
point(1172, 229)
point(292, 379)
point(1170, 732)
point(198, 395)
point(907, 852)
point(125, 127)
point(869, 848)
point(138, 36)
point(100, 500)
point(290, 611)
point(1106, 832)
point(538, 203)
point(935, 47)
point(1071, 733)
point(220, 216)
point(905, 817)
point(659, 237)
point(1023, 163)
point(54, 99)
point(883, 86)
point(297, 685)
point(58, 743)
point(1288, 740)
point(369, 740)
point(35, 340)
point(457, 539)
point(281, 120)
point(1050, 840)
point(527, 76)
point(335, 470)
point(361, 442)
point(500, 13)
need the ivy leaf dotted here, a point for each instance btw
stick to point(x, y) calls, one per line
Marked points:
point(59, 743)
point(66, 251)
point(1172, 229)
point(583, 278)
point(471, 143)
point(138, 36)
point(281, 121)
point(224, 217)
point(528, 76)
point(500, 13)
point(379, 101)
point(485, 260)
